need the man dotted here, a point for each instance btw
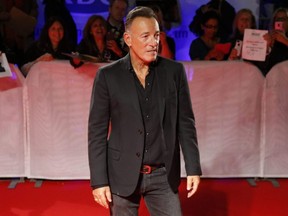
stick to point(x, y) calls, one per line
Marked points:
point(115, 27)
point(146, 99)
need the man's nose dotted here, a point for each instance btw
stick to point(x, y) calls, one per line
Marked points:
point(154, 41)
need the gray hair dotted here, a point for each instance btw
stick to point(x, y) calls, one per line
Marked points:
point(140, 11)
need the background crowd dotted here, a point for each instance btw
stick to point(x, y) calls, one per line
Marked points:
point(220, 34)
point(218, 27)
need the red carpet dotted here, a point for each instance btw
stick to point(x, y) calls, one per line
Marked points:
point(215, 197)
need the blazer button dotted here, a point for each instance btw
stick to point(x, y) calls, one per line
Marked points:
point(140, 131)
point(138, 154)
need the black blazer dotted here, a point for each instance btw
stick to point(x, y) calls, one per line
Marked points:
point(116, 160)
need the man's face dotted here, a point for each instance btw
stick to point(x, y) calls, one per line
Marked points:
point(118, 10)
point(142, 38)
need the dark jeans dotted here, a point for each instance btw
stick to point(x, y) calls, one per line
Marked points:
point(159, 198)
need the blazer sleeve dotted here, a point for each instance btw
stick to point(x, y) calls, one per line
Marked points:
point(98, 126)
point(186, 127)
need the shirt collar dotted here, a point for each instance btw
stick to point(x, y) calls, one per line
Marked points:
point(151, 66)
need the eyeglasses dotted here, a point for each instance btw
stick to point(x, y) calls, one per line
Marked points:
point(211, 26)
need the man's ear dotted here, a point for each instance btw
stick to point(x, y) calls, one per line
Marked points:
point(127, 38)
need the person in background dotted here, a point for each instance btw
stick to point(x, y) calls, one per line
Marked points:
point(278, 38)
point(203, 47)
point(226, 14)
point(277, 42)
point(167, 44)
point(57, 8)
point(94, 42)
point(267, 8)
point(16, 42)
point(146, 99)
point(53, 42)
point(117, 12)
point(244, 19)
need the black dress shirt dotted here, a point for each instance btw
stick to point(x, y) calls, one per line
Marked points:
point(148, 101)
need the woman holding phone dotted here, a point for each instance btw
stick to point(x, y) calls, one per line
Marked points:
point(280, 24)
point(95, 40)
point(278, 38)
point(244, 19)
point(95, 43)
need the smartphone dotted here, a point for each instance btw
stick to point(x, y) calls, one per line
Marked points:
point(278, 26)
point(238, 47)
point(110, 36)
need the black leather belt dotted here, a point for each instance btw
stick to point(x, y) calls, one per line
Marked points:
point(147, 169)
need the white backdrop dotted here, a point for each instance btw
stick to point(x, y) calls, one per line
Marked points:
point(241, 120)
point(226, 97)
point(275, 117)
point(58, 106)
point(12, 125)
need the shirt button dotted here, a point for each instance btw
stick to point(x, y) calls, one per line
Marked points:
point(147, 116)
point(148, 84)
point(147, 134)
point(147, 99)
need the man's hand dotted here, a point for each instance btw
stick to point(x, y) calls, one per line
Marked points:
point(102, 195)
point(192, 184)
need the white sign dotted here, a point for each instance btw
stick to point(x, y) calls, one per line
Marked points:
point(254, 45)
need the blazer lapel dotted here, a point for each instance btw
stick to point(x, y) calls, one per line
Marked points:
point(130, 88)
point(161, 80)
point(132, 94)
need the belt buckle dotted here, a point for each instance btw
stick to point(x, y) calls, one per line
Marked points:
point(146, 169)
